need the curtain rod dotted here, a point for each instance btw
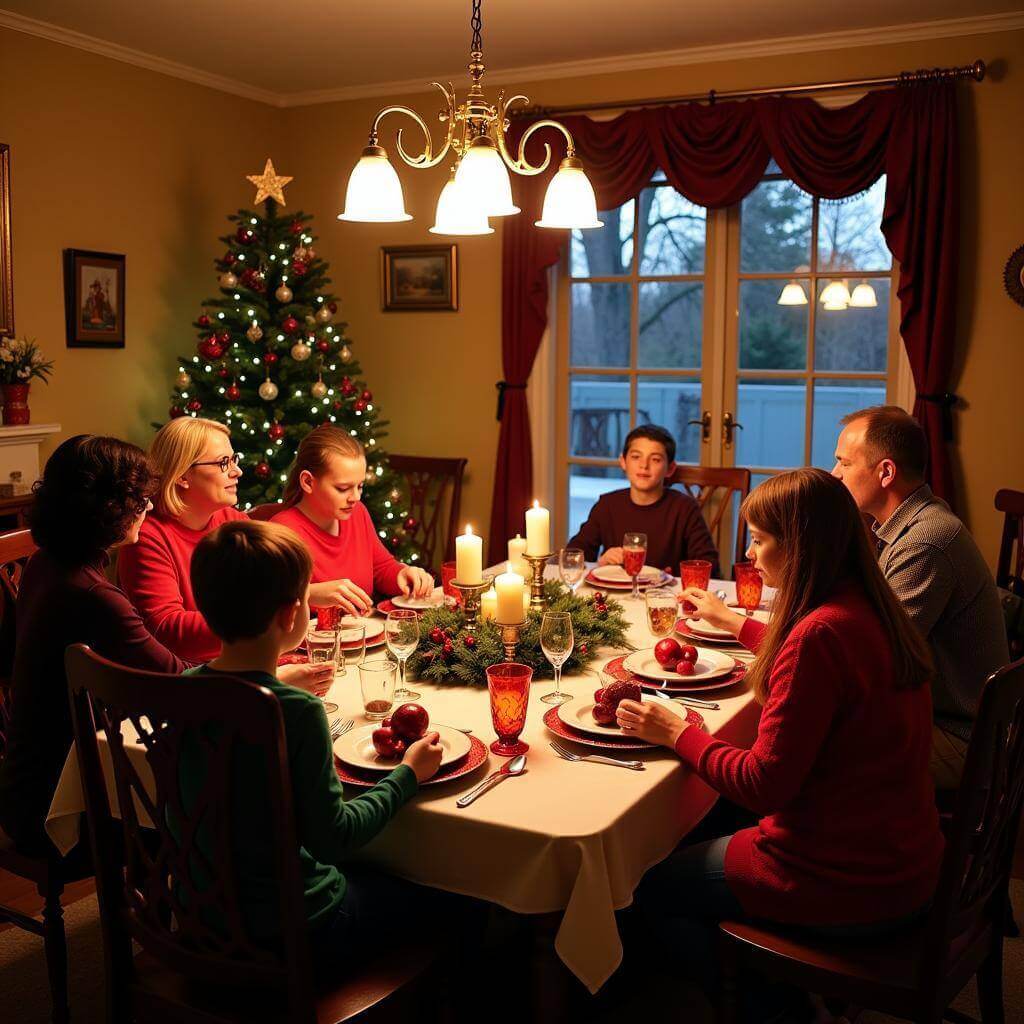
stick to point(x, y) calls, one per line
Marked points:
point(972, 72)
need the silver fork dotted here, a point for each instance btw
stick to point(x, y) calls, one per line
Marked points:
point(340, 727)
point(569, 755)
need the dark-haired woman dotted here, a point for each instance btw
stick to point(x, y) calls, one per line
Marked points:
point(93, 497)
point(848, 837)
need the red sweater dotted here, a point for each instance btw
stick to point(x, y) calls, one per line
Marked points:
point(155, 575)
point(839, 768)
point(355, 554)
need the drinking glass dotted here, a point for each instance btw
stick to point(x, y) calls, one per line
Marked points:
point(451, 596)
point(695, 572)
point(556, 642)
point(377, 682)
point(748, 586)
point(662, 611)
point(402, 633)
point(509, 686)
point(321, 648)
point(351, 643)
point(328, 618)
point(634, 554)
point(572, 567)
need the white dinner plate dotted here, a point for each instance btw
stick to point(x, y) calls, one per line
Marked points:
point(578, 713)
point(616, 574)
point(709, 665)
point(355, 748)
point(695, 639)
point(701, 628)
point(418, 604)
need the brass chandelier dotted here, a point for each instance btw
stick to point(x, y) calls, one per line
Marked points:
point(479, 186)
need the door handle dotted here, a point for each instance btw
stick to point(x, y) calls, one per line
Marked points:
point(729, 427)
point(705, 426)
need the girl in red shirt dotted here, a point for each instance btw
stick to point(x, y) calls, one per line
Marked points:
point(321, 504)
point(848, 837)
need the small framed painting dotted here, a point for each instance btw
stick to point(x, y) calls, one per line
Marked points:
point(419, 278)
point(94, 299)
point(6, 257)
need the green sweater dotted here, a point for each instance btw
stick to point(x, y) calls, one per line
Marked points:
point(329, 827)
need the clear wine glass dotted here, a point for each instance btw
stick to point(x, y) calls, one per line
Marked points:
point(556, 641)
point(402, 633)
point(662, 611)
point(634, 554)
point(572, 567)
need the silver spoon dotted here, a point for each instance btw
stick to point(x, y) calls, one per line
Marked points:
point(514, 767)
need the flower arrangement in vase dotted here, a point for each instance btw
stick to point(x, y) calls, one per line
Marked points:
point(20, 362)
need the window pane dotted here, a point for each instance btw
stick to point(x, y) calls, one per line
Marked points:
point(756, 479)
point(775, 229)
point(607, 251)
point(834, 399)
point(598, 415)
point(772, 413)
point(586, 485)
point(772, 337)
point(599, 334)
point(671, 324)
point(855, 338)
point(850, 232)
point(672, 402)
point(674, 231)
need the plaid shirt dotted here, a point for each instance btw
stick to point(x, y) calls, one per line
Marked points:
point(936, 570)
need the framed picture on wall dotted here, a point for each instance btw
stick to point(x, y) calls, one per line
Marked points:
point(6, 257)
point(94, 299)
point(419, 278)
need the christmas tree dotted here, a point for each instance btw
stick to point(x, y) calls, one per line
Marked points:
point(272, 362)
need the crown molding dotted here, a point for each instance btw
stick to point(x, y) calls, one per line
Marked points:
point(890, 34)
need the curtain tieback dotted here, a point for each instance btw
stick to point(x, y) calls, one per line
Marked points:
point(503, 386)
point(946, 400)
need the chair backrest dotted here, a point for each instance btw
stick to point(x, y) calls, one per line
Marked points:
point(166, 873)
point(264, 513)
point(714, 487)
point(16, 547)
point(972, 890)
point(432, 484)
point(1010, 567)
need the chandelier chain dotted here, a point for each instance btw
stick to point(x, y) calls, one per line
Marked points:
point(476, 23)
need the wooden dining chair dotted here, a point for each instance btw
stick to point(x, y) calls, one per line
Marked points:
point(1010, 567)
point(434, 486)
point(197, 961)
point(915, 973)
point(264, 513)
point(714, 488)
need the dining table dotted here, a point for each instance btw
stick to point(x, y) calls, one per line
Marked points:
point(566, 838)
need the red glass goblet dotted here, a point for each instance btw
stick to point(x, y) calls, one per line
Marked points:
point(694, 572)
point(328, 619)
point(509, 686)
point(748, 586)
point(451, 595)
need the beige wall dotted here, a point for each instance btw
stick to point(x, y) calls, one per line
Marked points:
point(108, 156)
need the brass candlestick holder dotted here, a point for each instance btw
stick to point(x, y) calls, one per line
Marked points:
point(471, 594)
point(537, 563)
point(510, 632)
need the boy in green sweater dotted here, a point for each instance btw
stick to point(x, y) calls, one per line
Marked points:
point(251, 583)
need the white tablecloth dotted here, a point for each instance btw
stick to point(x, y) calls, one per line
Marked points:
point(575, 838)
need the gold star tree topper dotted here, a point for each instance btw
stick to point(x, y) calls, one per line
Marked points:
point(269, 184)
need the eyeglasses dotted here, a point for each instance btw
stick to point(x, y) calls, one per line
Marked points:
point(224, 464)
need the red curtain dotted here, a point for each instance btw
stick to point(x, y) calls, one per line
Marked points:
point(714, 155)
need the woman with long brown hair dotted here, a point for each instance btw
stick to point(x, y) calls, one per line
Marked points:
point(848, 837)
point(321, 504)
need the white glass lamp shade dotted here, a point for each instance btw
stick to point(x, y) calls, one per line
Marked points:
point(483, 179)
point(570, 201)
point(374, 193)
point(793, 295)
point(457, 217)
point(863, 296)
point(835, 295)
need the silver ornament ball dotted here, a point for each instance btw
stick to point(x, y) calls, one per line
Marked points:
point(319, 389)
point(345, 354)
point(183, 380)
point(301, 351)
point(268, 390)
point(228, 280)
point(283, 294)
point(323, 314)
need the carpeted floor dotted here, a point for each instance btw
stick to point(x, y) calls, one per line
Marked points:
point(24, 994)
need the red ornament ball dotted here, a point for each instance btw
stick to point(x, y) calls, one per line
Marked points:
point(332, 306)
point(230, 259)
point(245, 236)
point(469, 640)
point(224, 337)
point(275, 432)
point(194, 405)
point(447, 649)
point(410, 523)
point(175, 411)
point(271, 358)
point(262, 470)
point(295, 227)
point(211, 348)
point(347, 388)
point(367, 396)
point(222, 371)
point(323, 345)
point(299, 268)
point(359, 405)
point(290, 325)
point(203, 321)
point(436, 635)
point(233, 393)
point(337, 404)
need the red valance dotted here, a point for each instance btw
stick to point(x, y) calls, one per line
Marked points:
point(714, 155)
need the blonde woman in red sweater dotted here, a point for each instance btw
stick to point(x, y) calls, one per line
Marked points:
point(322, 505)
point(848, 837)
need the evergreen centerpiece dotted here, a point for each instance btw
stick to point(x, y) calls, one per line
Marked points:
point(272, 361)
point(447, 653)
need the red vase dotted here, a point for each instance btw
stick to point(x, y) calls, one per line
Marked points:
point(15, 407)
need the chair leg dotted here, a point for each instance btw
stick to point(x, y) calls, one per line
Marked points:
point(55, 945)
point(990, 986)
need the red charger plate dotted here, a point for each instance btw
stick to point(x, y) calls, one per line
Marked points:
point(477, 756)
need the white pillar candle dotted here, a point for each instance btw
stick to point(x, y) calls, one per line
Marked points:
point(469, 558)
point(489, 604)
point(526, 601)
point(538, 530)
point(509, 587)
point(516, 550)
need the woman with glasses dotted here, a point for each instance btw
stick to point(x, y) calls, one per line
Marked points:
point(198, 490)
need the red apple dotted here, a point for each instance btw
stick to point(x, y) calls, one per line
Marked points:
point(622, 689)
point(386, 743)
point(667, 651)
point(604, 714)
point(599, 695)
point(684, 668)
point(688, 653)
point(410, 721)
